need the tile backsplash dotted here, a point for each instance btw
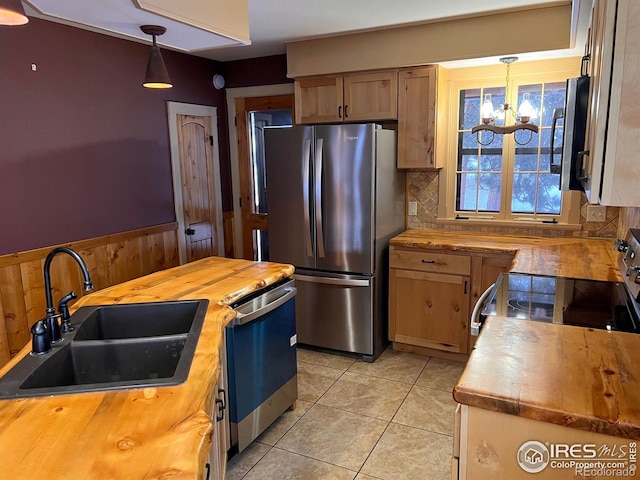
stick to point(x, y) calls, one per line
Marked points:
point(422, 188)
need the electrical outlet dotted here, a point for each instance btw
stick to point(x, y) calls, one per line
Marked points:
point(413, 208)
point(596, 213)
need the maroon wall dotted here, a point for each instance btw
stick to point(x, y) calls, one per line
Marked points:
point(84, 148)
point(256, 71)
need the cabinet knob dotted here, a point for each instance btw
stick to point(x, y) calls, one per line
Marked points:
point(190, 231)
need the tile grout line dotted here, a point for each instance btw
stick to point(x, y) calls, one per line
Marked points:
point(316, 401)
point(372, 449)
point(392, 416)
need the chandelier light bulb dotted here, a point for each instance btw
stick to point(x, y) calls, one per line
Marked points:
point(526, 112)
point(486, 111)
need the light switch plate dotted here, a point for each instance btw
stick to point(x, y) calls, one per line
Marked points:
point(596, 213)
point(413, 208)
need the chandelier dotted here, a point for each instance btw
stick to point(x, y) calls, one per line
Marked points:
point(489, 114)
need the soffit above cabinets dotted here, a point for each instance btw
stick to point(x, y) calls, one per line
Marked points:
point(192, 25)
point(215, 29)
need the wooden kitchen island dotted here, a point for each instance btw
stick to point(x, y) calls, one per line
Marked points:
point(150, 433)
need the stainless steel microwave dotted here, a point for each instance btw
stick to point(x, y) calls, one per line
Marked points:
point(567, 160)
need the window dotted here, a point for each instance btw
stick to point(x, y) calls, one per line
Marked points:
point(507, 178)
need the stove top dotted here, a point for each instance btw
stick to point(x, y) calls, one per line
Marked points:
point(570, 301)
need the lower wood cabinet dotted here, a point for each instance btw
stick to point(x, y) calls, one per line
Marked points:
point(429, 299)
point(489, 445)
point(432, 293)
point(220, 439)
point(430, 309)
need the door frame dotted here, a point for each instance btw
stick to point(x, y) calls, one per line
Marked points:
point(175, 109)
point(232, 95)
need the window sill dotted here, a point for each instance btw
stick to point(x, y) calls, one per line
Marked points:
point(571, 227)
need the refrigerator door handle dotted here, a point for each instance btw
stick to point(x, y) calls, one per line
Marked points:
point(318, 183)
point(306, 160)
point(345, 282)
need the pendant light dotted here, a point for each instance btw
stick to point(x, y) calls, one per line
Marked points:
point(12, 13)
point(157, 75)
point(525, 114)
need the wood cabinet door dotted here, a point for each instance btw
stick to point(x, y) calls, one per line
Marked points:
point(429, 309)
point(600, 65)
point(220, 438)
point(371, 96)
point(417, 118)
point(318, 100)
point(621, 166)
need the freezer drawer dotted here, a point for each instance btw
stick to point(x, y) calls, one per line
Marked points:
point(335, 312)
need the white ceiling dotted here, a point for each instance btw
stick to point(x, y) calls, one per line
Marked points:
point(272, 23)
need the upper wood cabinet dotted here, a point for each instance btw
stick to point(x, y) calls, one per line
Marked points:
point(346, 98)
point(417, 118)
point(610, 168)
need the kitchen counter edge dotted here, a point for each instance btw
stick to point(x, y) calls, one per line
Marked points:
point(136, 433)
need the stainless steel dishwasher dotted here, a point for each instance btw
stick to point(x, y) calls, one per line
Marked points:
point(261, 361)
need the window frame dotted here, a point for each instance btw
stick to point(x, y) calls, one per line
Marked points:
point(525, 73)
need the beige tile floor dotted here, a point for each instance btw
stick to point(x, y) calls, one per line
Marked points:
point(387, 420)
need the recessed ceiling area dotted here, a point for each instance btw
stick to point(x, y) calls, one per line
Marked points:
point(273, 23)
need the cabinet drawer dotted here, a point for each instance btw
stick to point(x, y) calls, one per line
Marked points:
point(430, 261)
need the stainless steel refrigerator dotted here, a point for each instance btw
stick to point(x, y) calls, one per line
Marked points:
point(335, 198)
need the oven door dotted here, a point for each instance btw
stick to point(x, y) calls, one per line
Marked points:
point(477, 316)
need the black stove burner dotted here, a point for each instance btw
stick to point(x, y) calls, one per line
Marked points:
point(534, 310)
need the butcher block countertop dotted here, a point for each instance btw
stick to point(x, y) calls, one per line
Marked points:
point(563, 257)
point(570, 376)
point(150, 433)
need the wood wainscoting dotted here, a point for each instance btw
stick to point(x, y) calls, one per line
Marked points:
point(111, 259)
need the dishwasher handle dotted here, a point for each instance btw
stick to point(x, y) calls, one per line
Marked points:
point(475, 323)
point(287, 294)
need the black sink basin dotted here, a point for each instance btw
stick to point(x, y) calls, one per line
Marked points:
point(114, 347)
point(136, 320)
point(105, 363)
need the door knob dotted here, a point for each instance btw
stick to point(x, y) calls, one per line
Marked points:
point(190, 231)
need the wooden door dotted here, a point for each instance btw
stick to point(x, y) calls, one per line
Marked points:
point(417, 118)
point(251, 220)
point(429, 309)
point(196, 170)
point(318, 100)
point(371, 96)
